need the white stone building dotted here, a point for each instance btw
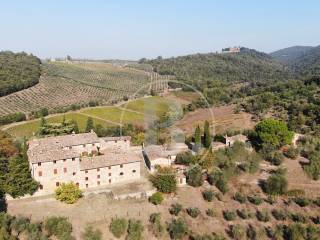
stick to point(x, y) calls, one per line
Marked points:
point(85, 159)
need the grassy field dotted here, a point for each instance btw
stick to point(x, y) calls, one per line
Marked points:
point(155, 106)
point(138, 112)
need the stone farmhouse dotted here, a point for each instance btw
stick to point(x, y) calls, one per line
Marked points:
point(85, 159)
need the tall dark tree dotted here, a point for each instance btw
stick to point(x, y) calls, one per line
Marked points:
point(197, 137)
point(207, 135)
point(90, 125)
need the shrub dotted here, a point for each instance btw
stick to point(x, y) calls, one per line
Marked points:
point(211, 213)
point(156, 226)
point(244, 213)
point(252, 232)
point(208, 195)
point(91, 234)
point(164, 180)
point(313, 233)
point(13, 117)
point(68, 193)
point(241, 198)
point(156, 198)
point(229, 215)
point(195, 176)
point(175, 209)
point(279, 215)
point(295, 193)
point(185, 158)
point(271, 200)
point(135, 230)
point(276, 158)
point(59, 227)
point(275, 233)
point(295, 232)
point(255, 199)
point(237, 232)
point(292, 152)
point(317, 202)
point(298, 217)
point(118, 227)
point(276, 184)
point(301, 201)
point(222, 185)
point(263, 216)
point(177, 229)
point(193, 212)
point(316, 220)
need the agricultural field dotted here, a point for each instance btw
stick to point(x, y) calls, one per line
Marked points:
point(64, 84)
point(137, 112)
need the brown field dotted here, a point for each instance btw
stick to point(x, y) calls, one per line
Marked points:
point(221, 118)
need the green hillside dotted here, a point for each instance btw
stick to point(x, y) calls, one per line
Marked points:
point(290, 54)
point(18, 71)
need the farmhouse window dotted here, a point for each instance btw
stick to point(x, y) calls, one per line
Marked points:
point(55, 171)
point(98, 183)
point(54, 161)
point(39, 163)
point(64, 160)
point(109, 180)
point(87, 178)
point(74, 173)
point(109, 174)
point(98, 169)
point(84, 145)
point(121, 165)
point(70, 147)
point(57, 184)
point(87, 185)
point(109, 167)
point(73, 159)
point(133, 171)
point(86, 171)
point(41, 187)
point(121, 173)
point(98, 176)
point(40, 173)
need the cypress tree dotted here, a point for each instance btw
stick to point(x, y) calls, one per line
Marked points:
point(207, 135)
point(197, 137)
point(89, 126)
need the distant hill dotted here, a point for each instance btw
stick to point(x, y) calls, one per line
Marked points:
point(247, 66)
point(308, 64)
point(18, 71)
point(287, 55)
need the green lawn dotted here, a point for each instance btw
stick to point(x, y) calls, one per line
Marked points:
point(142, 110)
point(115, 114)
point(155, 106)
point(29, 128)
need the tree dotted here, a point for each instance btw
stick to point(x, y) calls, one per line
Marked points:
point(156, 226)
point(59, 227)
point(89, 125)
point(184, 158)
point(68, 193)
point(118, 227)
point(43, 122)
point(75, 126)
point(177, 228)
point(276, 184)
point(156, 198)
point(273, 132)
point(195, 176)
point(91, 234)
point(197, 138)
point(164, 180)
point(135, 230)
point(207, 135)
point(175, 209)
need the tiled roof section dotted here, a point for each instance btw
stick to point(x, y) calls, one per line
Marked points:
point(52, 155)
point(58, 142)
point(109, 159)
point(120, 138)
point(158, 151)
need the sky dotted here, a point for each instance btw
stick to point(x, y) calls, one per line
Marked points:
point(133, 29)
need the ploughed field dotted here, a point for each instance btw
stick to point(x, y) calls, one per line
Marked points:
point(64, 84)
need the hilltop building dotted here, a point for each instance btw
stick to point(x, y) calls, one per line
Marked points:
point(231, 50)
point(85, 159)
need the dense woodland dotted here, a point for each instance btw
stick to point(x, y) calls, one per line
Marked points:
point(18, 71)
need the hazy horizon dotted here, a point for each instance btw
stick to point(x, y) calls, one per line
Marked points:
point(136, 29)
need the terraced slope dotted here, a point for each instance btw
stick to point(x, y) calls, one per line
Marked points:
point(64, 84)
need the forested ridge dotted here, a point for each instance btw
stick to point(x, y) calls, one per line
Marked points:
point(18, 71)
